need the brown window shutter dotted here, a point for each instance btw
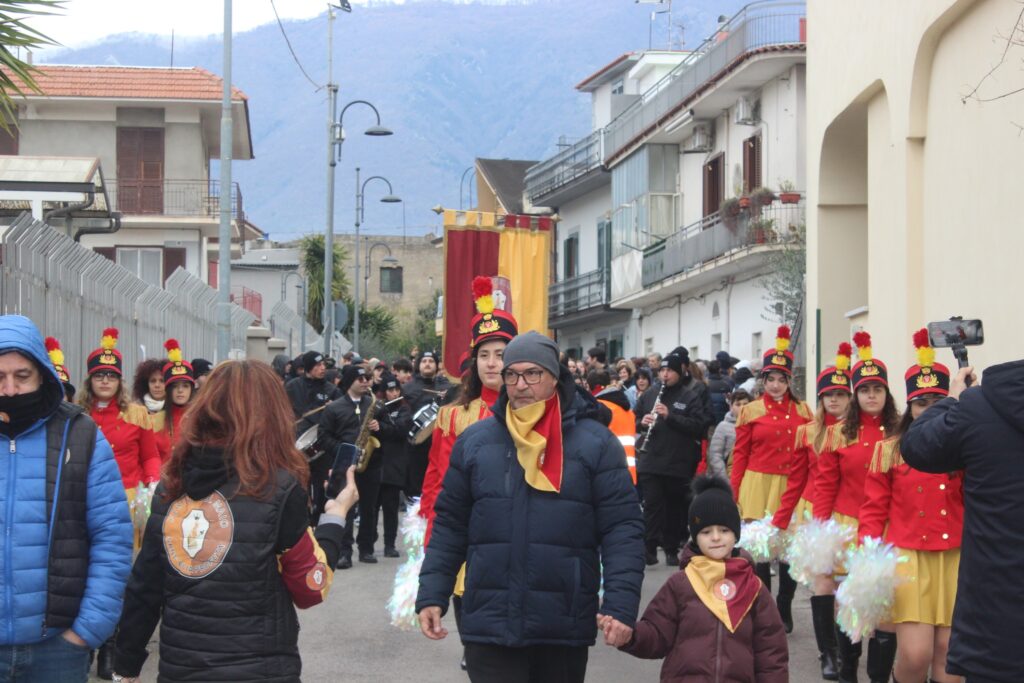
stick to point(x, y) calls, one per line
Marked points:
point(9, 140)
point(107, 252)
point(756, 154)
point(174, 258)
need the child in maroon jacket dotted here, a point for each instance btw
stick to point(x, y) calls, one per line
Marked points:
point(714, 620)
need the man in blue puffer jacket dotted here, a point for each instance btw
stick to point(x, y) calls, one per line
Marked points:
point(67, 537)
point(538, 503)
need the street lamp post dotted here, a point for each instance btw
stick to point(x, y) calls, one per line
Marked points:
point(461, 181)
point(389, 198)
point(335, 139)
point(389, 260)
point(302, 286)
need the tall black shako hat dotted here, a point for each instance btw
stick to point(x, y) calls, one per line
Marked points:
point(106, 358)
point(489, 323)
point(837, 376)
point(780, 358)
point(177, 369)
point(868, 368)
point(927, 377)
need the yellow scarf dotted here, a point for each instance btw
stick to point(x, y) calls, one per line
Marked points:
point(541, 464)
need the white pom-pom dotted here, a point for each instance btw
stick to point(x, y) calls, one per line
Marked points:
point(816, 547)
point(761, 539)
point(402, 605)
point(866, 596)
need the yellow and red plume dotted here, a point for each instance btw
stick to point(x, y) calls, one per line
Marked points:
point(843, 356)
point(925, 352)
point(109, 338)
point(863, 341)
point(54, 351)
point(173, 350)
point(483, 294)
point(782, 338)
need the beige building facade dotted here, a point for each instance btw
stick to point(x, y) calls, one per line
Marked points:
point(404, 273)
point(914, 168)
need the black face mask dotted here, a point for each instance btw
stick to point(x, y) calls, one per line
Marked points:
point(17, 413)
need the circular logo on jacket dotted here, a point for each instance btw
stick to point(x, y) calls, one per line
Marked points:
point(724, 589)
point(198, 534)
point(316, 577)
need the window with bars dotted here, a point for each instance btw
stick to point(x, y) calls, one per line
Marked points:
point(391, 280)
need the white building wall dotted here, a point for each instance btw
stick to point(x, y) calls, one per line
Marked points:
point(580, 217)
point(155, 237)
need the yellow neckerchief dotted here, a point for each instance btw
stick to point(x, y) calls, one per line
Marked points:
point(729, 595)
point(531, 446)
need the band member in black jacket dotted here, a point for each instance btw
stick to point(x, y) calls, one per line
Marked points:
point(393, 457)
point(671, 424)
point(310, 392)
point(340, 423)
point(426, 387)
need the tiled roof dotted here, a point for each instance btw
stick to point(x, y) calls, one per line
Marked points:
point(128, 82)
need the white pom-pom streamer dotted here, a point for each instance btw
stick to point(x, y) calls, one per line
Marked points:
point(865, 597)
point(402, 605)
point(815, 548)
point(761, 539)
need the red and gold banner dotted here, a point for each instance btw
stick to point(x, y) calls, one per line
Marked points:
point(515, 249)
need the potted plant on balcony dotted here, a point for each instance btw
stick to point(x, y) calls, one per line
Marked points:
point(730, 212)
point(788, 193)
point(761, 230)
point(760, 197)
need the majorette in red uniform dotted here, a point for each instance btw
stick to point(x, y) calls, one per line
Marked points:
point(839, 492)
point(177, 373)
point(922, 515)
point(489, 325)
point(763, 456)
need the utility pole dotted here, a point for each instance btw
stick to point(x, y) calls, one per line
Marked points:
point(332, 105)
point(224, 235)
point(355, 314)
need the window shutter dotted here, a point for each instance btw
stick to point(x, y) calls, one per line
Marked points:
point(107, 252)
point(174, 258)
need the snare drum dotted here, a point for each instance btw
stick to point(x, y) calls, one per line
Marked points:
point(308, 445)
point(423, 424)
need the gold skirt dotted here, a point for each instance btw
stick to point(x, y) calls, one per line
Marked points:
point(760, 494)
point(137, 531)
point(802, 513)
point(853, 523)
point(928, 590)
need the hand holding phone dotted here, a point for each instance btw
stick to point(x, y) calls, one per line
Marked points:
point(347, 496)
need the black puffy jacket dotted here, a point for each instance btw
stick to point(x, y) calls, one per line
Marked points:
point(534, 559)
point(983, 435)
point(674, 449)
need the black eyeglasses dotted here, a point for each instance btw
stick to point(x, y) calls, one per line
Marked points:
point(109, 376)
point(531, 376)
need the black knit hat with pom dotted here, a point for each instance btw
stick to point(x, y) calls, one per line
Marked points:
point(712, 504)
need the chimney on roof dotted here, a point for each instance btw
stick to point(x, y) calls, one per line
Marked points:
point(28, 57)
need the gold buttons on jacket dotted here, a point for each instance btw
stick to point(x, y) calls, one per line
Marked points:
point(924, 537)
point(942, 487)
point(919, 489)
point(942, 512)
point(945, 537)
point(921, 513)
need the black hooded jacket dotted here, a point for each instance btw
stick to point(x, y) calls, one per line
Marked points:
point(983, 435)
point(674, 449)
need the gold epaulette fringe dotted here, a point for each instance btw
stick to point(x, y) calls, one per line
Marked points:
point(835, 439)
point(803, 435)
point(887, 455)
point(137, 415)
point(804, 410)
point(751, 412)
point(464, 417)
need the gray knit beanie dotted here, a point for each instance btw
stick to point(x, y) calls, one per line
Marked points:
point(533, 347)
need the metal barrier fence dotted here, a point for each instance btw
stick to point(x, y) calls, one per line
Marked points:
point(73, 293)
point(287, 324)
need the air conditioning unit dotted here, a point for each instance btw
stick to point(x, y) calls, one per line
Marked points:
point(748, 111)
point(700, 141)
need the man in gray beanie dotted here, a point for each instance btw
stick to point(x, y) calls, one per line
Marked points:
point(536, 501)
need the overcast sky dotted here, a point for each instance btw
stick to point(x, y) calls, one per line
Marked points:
point(89, 21)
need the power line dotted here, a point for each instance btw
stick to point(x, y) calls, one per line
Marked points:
point(291, 49)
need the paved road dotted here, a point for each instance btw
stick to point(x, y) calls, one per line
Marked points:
point(350, 639)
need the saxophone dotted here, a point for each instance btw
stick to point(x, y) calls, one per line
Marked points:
point(365, 443)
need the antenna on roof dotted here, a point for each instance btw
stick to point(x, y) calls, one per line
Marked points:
point(172, 47)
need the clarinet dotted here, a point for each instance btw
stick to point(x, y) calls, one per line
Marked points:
point(650, 427)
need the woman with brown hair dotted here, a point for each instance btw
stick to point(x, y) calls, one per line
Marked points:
point(228, 551)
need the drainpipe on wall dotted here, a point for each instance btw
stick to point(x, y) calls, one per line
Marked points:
point(679, 319)
point(727, 345)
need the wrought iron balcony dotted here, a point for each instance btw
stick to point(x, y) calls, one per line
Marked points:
point(571, 163)
point(760, 26)
point(716, 235)
point(172, 197)
point(578, 294)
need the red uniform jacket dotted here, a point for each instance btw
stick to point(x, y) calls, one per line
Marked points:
point(452, 420)
point(923, 511)
point(764, 437)
point(843, 467)
point(802, 473)
point(132, 439)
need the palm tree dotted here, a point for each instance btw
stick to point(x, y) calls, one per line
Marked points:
point(311, 251)
point(15, 73)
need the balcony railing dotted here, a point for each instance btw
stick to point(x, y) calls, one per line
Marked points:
point(758, 25)
point(572, 162)
point(578, 293)
point(172, 197)
point(715, 236)
point(248, 299)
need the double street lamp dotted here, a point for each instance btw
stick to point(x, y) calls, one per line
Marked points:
point(335, 138)
point(389, 198)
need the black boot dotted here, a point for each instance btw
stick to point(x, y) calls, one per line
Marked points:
point(105, 662)
point(881, 655)
point(849, 657)
point(650, 557)
point(823, 617)
point(764, 572)
point(784, 601)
